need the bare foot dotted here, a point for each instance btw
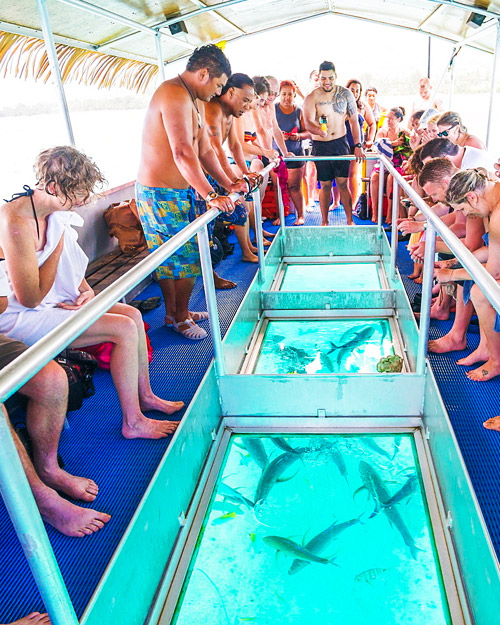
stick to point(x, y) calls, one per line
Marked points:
point(266, 243)
point(299, 221)
point(222, 283)
point(153, 402)
point(481, 354)
point(67, 518)
point(253, 249)
point(351, 223)
point(250, 258)
point(447, 343)
point(412, 276)
point(269, 235)
point(439, 313)
point(148, 428)
point(35, 618)
point(325, 223)
point(75, 487)
point(418, 279)
point(492, 424)
point(485, 372)
point(310, 208)
point(277, 222)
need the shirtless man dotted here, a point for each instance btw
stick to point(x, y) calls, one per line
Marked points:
point(175, 152)
point(235, 99)
point(334, 103)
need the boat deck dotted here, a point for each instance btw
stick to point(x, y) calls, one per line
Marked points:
point(93, 445)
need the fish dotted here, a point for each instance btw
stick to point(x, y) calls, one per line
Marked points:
point(281, 443)
point(273, 471)
point(256, 449)
point(351, 340)
point(224, 518)
point(369, 442)
point(376, 487)
point(321, 542)
point(370, 575)
point(405, 492)
point(396, 445)
point(326, 362)
point(292, 548)
point(233, 495)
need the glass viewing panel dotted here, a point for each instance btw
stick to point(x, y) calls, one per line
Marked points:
point(331, 277)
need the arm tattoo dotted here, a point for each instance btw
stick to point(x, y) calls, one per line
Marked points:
point(351, 105)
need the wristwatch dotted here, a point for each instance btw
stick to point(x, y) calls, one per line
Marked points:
point(358, 145)
point(211, 196)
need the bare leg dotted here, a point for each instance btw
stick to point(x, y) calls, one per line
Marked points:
point(324, 200)
point(354, 167)
point(417, 271)
point(67, 518)
point(456, 339)
point(47, 392)
point(35, 618)
point(345, 197)
point(222, 283)
point(487, 315)
point(311, 180)
point(176, 294)
point(295, 188)
point(123, 326)
point(441, 307)
point(246, 253)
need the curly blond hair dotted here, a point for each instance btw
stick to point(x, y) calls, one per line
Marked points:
point(74, 174)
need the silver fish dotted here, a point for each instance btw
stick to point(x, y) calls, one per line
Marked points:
point(282, 444)
point(369, 442)
point(351, 340)
point(256, 449)
point(405, 492)
point(273, 471)
point(233, 495)
point(321, 542)
point(292, 548)
point(376, 487)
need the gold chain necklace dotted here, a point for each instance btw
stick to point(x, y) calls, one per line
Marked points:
point(198, 114)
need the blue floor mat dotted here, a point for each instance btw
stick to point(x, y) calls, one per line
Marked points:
point(94, 447)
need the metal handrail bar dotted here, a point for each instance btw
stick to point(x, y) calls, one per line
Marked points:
point(485, 281)
point(18, 372)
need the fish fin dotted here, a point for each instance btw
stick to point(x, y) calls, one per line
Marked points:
point(334, 347)
point(358, 491)
point(287, 479)
point(255, 512)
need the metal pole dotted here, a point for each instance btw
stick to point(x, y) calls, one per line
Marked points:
point(54, 65)
point(380, 198)
point(425, 308)
point(257, 207)
point(394, 231)
point(208, 283)
point(281, 209)
point(159, 56)
point(429, 58)
point(452, 83)
point(493, 87)
point(30, 530)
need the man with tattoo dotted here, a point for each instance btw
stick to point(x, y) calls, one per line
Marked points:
point(325, 111)
point(234, 100)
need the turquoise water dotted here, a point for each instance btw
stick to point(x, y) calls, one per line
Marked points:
point(324, 346)
point(339, 534)
point(331, 277)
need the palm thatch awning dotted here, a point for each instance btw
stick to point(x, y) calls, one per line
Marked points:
point(114, 42)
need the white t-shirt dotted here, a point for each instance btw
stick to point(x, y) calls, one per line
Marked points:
point(474, 157)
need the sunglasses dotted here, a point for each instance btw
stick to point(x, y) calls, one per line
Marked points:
point(445, 133)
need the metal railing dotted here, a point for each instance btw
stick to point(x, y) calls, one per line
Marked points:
point(14, 485)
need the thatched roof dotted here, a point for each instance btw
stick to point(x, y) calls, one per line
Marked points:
point(118, 47)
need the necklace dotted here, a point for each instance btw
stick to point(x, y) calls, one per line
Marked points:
point(198, 114)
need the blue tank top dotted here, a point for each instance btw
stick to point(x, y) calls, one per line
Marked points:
point(348, 132)
point(290, 123)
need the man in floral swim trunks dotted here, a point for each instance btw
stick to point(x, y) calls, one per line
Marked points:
point(175, 151)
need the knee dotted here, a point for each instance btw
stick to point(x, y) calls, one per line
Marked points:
point(477, 296)
point(294, 186)
point(326, 185)
point(341, 183)
point(49, 382)
point(133, 314)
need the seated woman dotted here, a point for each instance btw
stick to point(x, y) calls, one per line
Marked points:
point(46, 271)
point(291, 122)
point(450, 126)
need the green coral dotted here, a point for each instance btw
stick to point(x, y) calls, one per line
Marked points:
point(390, 364)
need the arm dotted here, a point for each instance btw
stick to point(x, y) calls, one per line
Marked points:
point(278, 136)
point(493, 263)
point(211, 164)
point(302, 134)
point(86, 294)
point(30, 283)
point(250, 147)
point(352, 112)
point(214, 123)
point(372, 126)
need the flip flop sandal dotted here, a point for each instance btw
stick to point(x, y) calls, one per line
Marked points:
point(192, 331)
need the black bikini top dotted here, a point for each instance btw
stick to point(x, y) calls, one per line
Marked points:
point(28, 192)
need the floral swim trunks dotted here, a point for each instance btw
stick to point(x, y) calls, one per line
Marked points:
point(163, 213)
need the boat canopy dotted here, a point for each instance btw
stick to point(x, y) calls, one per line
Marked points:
point(118, 42)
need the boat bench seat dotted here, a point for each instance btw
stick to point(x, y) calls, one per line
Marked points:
point(106, 269)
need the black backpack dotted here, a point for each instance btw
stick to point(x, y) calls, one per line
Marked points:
point(362, 207)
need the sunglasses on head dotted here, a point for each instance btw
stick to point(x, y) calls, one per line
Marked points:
point(445, 133)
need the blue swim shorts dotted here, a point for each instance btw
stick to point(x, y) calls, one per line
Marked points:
point(163, 213)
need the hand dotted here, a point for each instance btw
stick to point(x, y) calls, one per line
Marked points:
point(290, 154)
point(446, 264)
point(497, 168)
point(443, 275)
point(417, 251)
point(239, 186)
point(368, 145)
point(271, 154)
point(293, 136)
point(223, 202)
point(83, 298)
point(359, 154)
point(254, 178)
point(323, 134)
point(409, 226)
